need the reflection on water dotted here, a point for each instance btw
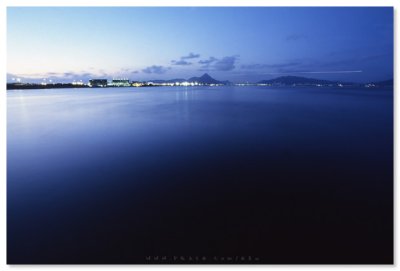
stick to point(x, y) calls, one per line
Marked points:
point(291, 175)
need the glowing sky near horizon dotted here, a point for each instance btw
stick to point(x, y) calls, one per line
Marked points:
point(237, 44)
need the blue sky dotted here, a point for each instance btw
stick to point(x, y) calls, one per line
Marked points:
point(237, 44)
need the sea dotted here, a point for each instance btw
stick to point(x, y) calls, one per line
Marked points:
point(228, 174)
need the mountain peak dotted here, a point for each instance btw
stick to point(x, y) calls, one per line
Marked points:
point(206, 75)
point(205, 79)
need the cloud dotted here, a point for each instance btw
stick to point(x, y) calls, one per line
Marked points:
point(224, 64)
point(156, 69)
point(181, 62)
point(307, 65)
point(190, 56)
point(208, 61)
point(63, 77)
point(126, 72)
point(71, 76)
point(304, 66)
point(259, 66)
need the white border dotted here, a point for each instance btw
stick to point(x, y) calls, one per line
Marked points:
point(199, 3)
point(3, 54)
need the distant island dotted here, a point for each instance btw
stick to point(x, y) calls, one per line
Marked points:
point(296, 80)
point(303, 81)
point(204, 80)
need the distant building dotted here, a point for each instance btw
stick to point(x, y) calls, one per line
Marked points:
point(97, 82)
point(137, 84)
point(120, 82)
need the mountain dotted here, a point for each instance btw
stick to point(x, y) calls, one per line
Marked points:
point(206, 79)
point(296, 80)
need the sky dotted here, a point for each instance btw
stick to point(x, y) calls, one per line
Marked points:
point(238, 44)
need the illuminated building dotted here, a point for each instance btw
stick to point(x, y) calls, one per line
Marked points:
point(137, 84)
point(123, 82)
point(97, 82)
point(78, 83)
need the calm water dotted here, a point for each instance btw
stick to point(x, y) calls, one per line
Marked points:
point(113, 175)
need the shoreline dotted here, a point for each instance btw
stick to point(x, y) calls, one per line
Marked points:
point(70, 86)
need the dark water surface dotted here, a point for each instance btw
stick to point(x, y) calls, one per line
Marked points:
point(288, 175)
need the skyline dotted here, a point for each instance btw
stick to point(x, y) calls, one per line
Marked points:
point(236, 44)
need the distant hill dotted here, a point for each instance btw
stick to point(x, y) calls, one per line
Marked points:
point(297, 80)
